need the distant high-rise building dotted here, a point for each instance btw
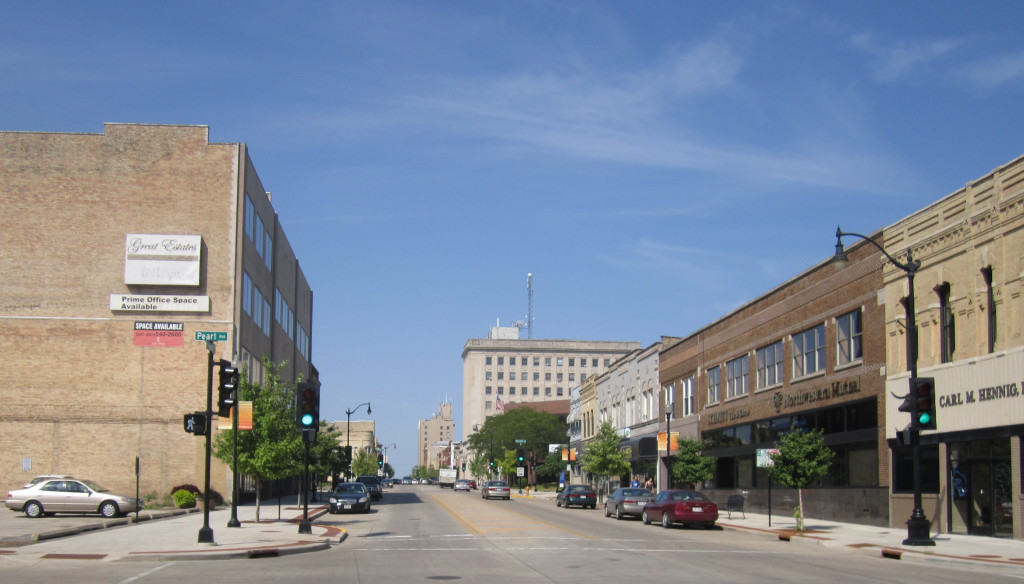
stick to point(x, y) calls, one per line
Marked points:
point(501, 370)
point(434, 434)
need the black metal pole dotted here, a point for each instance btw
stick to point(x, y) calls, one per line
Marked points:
point(668, 448)
point(206, 532)
point(233, 522)
point(348, 444)
point(304, 526)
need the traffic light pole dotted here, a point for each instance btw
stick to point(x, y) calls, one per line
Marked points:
point(206, 532)
point(233, 522)
point(304, 525)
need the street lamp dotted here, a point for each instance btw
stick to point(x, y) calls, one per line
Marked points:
point(668, 446)
point(918, 526)
point(348, 433)
point(384, 449)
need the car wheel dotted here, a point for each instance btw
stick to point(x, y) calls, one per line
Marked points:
point(607, 513)
point(645, 518)
point(109, 509)
point(709, 525)
point(33, 509)
point(618, 513)
point(665, 521)
point(558, 502)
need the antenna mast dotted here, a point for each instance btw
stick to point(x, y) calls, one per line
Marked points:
point(529, 309)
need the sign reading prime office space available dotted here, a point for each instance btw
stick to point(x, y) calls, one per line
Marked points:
point(168, 260)
point(159, 303)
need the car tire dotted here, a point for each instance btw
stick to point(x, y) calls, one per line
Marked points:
point(33, 509)
point(607, 513)
point(709, 526)
point(645, 518)
point(558, 502)
point(665, 521)
point(109, 509)
point(618, 513)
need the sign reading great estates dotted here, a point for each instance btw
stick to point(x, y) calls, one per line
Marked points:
point(169, 260)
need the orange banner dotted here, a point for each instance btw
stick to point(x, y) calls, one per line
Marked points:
point(244, 417)
point(569, 454)
point(675, 441)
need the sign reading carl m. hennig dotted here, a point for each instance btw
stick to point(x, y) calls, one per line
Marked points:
point(171, 260)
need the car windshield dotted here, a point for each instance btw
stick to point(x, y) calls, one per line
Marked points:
point(95, 487)
point(350, 488)
point(688, 496)
point(635, 493)
point(369, 480)
point(579, 489)
point(498, 484)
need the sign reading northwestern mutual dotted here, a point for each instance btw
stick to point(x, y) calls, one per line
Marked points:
point(165, 303)
point(170, 260)
point(159, 334)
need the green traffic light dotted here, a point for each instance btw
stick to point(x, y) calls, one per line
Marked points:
point(307, 420)
point(925, 418)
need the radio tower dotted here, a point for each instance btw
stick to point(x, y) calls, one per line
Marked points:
point(529, 309)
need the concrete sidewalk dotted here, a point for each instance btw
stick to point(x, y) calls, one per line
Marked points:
point(872, 540)
point(175, 537)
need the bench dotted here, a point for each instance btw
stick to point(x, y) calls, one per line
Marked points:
point(735, 503)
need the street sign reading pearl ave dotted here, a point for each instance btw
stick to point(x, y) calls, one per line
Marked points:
point(211, 336)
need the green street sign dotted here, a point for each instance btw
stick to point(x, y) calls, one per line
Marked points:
point(211, 336)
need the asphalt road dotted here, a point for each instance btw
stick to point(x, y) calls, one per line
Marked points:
point(427, 534)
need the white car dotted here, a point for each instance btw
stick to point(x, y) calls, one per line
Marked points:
point(462, 485)
point(65, 495)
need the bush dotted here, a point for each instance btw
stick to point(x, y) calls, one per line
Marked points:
point(216, 499)
point(186, 487)
point(184, 499)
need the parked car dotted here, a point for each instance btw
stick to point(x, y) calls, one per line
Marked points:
point(472, 484)
point(372, 485)
point(349, 497)
point(626, 501)
point(580, 495)
point(462, 485)
point(66, 495)
point(681, 506)
point(497, 490)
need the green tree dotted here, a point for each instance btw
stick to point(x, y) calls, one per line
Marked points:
point(478, 466)
point(552, 466)
point(689, 466)
point(500, 432)
point(364, 464)
point(273, 448)
point(603, 457)
point(803, 458)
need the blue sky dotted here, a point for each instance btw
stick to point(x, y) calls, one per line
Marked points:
point(653, 164)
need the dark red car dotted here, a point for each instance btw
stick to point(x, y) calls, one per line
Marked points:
point(579, 495)
point(680, 506)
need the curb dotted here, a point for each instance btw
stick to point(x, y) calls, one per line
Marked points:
point(31, 538)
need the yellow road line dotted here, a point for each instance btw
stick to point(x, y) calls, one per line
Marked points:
point(456, 515)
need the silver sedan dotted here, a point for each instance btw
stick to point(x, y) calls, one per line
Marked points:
point(626, 501)
point(66, 495)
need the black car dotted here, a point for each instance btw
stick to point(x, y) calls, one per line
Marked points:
point(580, 495)
point(373, 485)
point(348, 497)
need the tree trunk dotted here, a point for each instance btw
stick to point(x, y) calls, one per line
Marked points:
point(800, 510)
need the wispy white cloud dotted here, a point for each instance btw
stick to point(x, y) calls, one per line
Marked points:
point(994, 72)
point(893, 61)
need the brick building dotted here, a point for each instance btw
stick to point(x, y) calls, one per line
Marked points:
point(808, 354)
point(116, 248)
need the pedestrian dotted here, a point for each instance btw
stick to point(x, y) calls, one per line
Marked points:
point(649, 485)
point(636, 482)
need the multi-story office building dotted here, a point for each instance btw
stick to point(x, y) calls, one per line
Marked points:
point(809, 354)
point(970, 320)
point(433, 435)
point(496, 371)
point(117, 249)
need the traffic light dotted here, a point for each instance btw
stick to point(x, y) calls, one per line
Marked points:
point(195, 423)
point(519, 455)
point(463, 467)
point(380, 460)
point(490, 462)
point(308, 405)
point(228, 388)
point(923, 390)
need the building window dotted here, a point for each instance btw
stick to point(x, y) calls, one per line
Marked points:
point(572, 377)
point(536, 361)
point(501, 361)
point(737, 377)
point(607, 363)
point(583, 377)
point(511, 390)
point(686, 391)
point(488, 375)
point(558, 376)
point(266, 317)
point(547, 391)
point(547, 377)
point(501, 390)
point(559, 361)
point(488, 390)
point(583, 361)
point(257, 307)
point(536, 391)
point(268, 252)
point(247, 293)
point(990, 306)
point(593, 362)
point(572, 362)
point(809, 351)
point(947, 327)
point(250, 213)
point(848, 338)
point(547, 361)
point(536, 376)
point(512, 376)
point(714, 385)
point(559, 391)
point(257, 236)
point(769, 365)
point(487, 360)
point(488, 405)
point(522, 361)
